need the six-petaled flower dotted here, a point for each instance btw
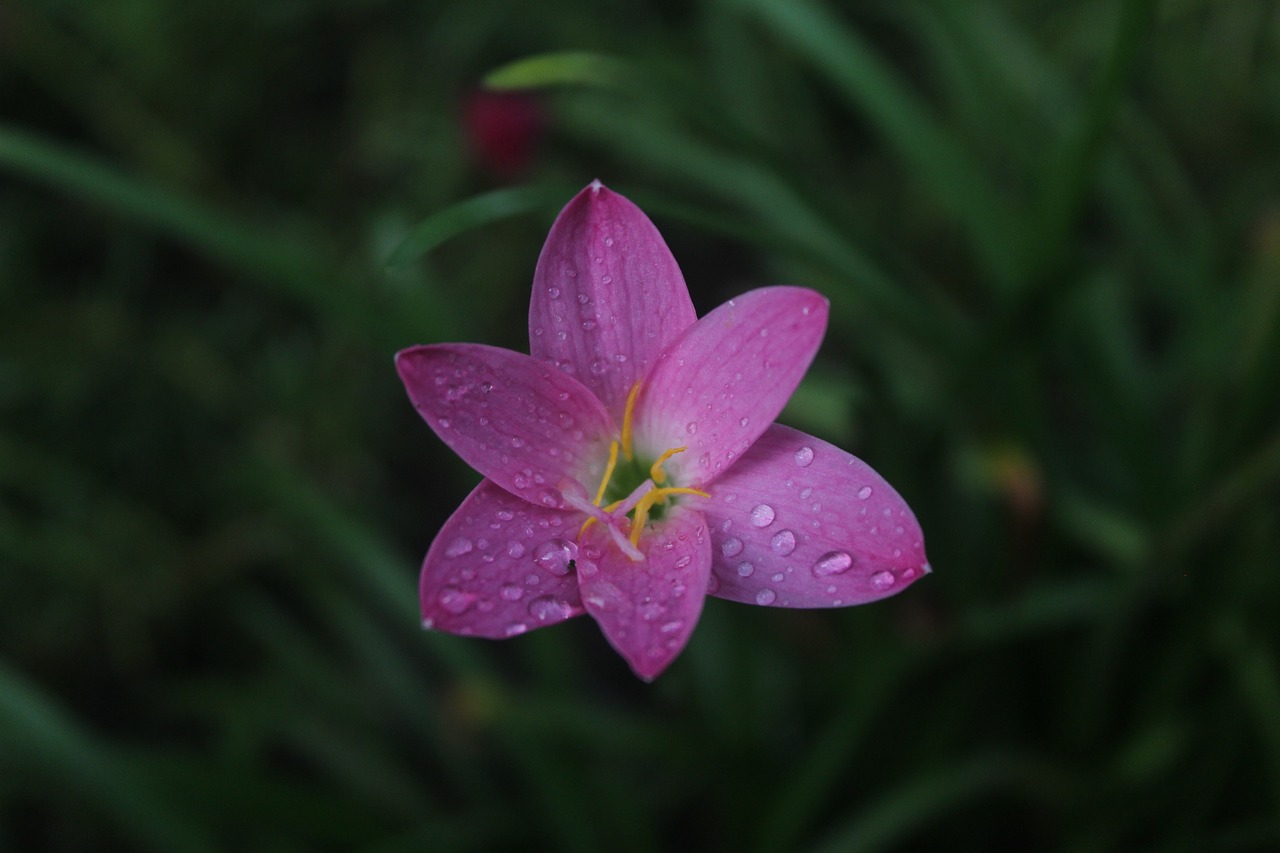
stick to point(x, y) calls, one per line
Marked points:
point(632, 464)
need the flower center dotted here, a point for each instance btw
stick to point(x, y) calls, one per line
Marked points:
point(634, 486)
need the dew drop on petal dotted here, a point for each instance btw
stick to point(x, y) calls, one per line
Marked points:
point(456, 601)
point(553, 292)
point(511, 592)
point(746, 569)
point(743, 421)
point(691, 428)
point(882, 580)
point(778, 578)
point(804, 456)
point(547, 608)
point(554, 555)
point(505, 514)
point(762, 516)
point(671, 627)
point(684, 561)
point(599, 366)
point(651, 610)
point(864, 493)
point(766, 597)
point(458, 547)
point(783, 543)
point(515, 629)
point(731, 547)
point(515, 549)
point(832, 563)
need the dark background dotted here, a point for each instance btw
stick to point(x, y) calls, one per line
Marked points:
point(1050, 233)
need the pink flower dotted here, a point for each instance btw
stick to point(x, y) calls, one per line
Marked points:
point(631, 463)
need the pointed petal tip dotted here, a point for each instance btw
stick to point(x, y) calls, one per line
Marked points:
point(595, 186)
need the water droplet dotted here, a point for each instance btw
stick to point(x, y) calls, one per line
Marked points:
point(832, 563)
point(691, 428)
point(511, 592)
point(515, 550)
point(608, 241)
point(743, 421)
point(778, 578)
point(684, 561)
point(458, 547)
point(455, 600)
point(599, 366)
point(546, 608)
point(671, 627)
point(549, 497)
point(783, 543)
point(553, 292)
point(486, 387)
point(882, 580)
point(651, 610)
point(505, 514)
point(766, 597)
point(606, 279)
point(731, 547)
point(555, 555)
point(532, 580)
point(588, 325)
point(517, 442)
point(762, 516)
point(864, 493)
point(562, 335)
point(515, 629)
point(520, 481)
point(804, 456)
point(746, 569)
point(444, 423)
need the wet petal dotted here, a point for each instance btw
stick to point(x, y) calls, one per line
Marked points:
point(648, 609)
point(722, 384)
point(607, 295)
point(518, 421)
point(798, 522)
point(500, 567)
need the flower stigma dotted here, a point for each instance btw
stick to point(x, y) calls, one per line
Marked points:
point(631, 486)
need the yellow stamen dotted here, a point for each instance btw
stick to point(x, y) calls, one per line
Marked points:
point(655, 471)
point(658, 494)
point(647, 502)
point(626, 419)
point(608, 472)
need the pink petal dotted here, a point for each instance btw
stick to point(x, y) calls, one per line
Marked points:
point(721, 385)
point(648, 609)
point(607, 295)
point(500, 567)
point(798, 522)
point(523, 424)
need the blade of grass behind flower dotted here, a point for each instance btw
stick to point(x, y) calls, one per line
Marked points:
point(871, 88)
point(559, 69)
point(32, 724)
point(890, 822)
point(477, 212)
point(280, 260)
point(1069, 174)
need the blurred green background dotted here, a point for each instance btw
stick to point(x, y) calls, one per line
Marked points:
point(1050, 234)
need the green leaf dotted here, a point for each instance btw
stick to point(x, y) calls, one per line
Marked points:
point(560, 69)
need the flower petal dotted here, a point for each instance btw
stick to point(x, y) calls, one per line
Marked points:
point(721, 385)
point(607, 295)
point(648, 609)
point(519, 421)
point(798, 522)
point(499, 567)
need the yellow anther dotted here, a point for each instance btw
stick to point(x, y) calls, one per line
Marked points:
point(626, 420)
point(655, 471)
